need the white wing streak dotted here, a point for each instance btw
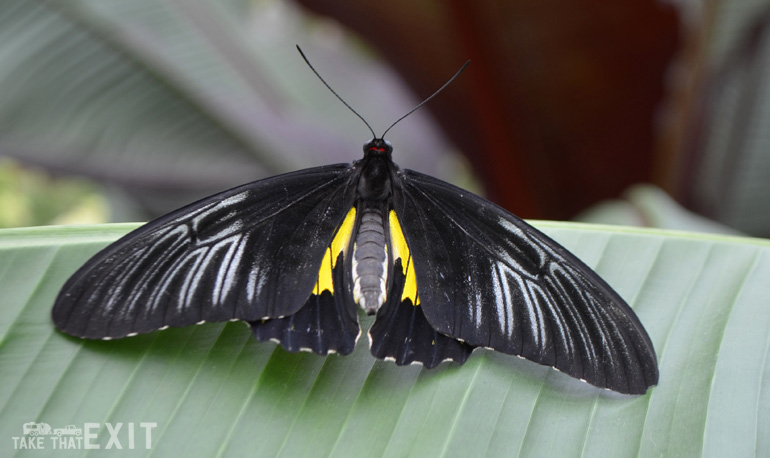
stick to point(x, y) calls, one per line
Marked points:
point(198, 220)
point(191, 265)
point(227, 271)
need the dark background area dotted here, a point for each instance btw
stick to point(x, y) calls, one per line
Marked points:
point(557, 109)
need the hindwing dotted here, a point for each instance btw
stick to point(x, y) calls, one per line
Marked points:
point(487, 278)
point(328, 322)
point(400, 331)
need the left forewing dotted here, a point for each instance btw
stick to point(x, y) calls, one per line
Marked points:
point(247, 253)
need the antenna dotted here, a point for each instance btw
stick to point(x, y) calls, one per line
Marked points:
point(337, 95)
point(361, 117)
point(426, 100)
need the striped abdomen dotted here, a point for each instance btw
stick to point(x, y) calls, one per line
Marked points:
point(370, 262)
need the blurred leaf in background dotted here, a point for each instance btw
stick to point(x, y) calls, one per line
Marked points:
point(649, 206)
point(565, 103)
point(714, 142)
point(32, 198)
point(171, 101)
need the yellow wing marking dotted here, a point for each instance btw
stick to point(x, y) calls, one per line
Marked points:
point(338, 245)
point(401, 250)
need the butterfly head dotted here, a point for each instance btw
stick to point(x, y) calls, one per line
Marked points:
point(378, 147)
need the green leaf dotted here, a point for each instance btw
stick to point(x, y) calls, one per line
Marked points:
point(213, 390)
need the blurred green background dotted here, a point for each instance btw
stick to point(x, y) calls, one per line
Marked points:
point(632, 112)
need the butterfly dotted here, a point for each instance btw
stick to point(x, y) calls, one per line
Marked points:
point(296, 255)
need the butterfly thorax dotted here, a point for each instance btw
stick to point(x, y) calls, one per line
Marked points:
point(374, 184)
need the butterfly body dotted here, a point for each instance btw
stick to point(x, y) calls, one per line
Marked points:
point(370, 255)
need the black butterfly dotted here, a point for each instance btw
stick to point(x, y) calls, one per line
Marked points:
point(295, 255)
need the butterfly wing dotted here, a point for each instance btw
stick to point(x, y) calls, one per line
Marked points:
point(250, 253)
point(328, 322)
point(489, 279)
